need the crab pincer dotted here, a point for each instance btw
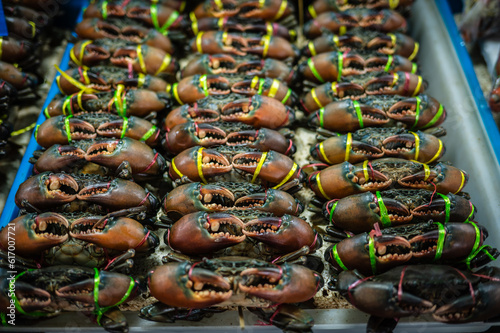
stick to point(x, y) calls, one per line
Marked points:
point(210, 231)
point(214, 42)
point(190, 113)
point(417, 146)
point(334, 22)
point(131, 127)
point(258, 111)
point(59, 158)
point(268, 10)
point(331, 66)
point(344, 148)
point(263, 139)
point(421, 111)
point(274, 201)
point(322, 95)
point(271, 47)
point(146, 60)
point(192, 88)
point(396, 83)
point(215, 64)
point(62, 130)
point(187, 135)
point(267, 87)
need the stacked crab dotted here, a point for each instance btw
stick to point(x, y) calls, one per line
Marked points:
point(232, 174)
point(390, 201)
point(87, 203)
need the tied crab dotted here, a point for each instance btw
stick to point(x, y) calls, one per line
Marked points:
point(232, 281)
point(71, 193)
point(81, 239)
point(125, 103)
point(332, 66)
point(368, 84)
point(268, 10)
point(419, 112)
point(362, 39)
point(459, 244)
point(384, 20)
point(246, 232)
point(341, 180)
point(44, 293)
point(377, 142)
point(270, 169)
point(321, 6)
point(187, 135)
point(360, 212)
point(222, 196)
point(65, 129)
point(448, 294)
point(126, 158)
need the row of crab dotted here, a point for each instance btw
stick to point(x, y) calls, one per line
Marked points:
point(92, 200)
point(396, 215)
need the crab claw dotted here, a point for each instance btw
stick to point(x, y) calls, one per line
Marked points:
point(90, 53)
point(460, 209)
point(115, 233)
point(145, 59)
point(214, 42)
point(342, 116)
point(258, 111)
point(187, 135)
point(263, 139)
point(143, 160)
point(57, 106)
point(389, 251)
point(326, 93)
point(223, 8)
point(397, 83)
point(431, 112)
point(275, 201)
point(335, 150)
point(59, 158)
point(267, 87)
point(389, 63)
point(31, 298)
point(84, 77)
point(268, 10)
point(427, 149)
point(267, 68)
point(397, 43)
point(330, 21)
point(274, 169)
point(284, 234)
point(113, 287)
point(359, 213)
point(117, 194)
point(185, 285)
point(283, 284)
point(35, 233)
point(187, 113)
point(384, 20)
point(210, 64)
point(210, 232)
point(271, 47)
point(47, 190)
point(341, 180)
point(441, 177)
point(135, 128)
point(193, 197)
point(379, 297)
point(192, 88)
point(61, 129)
point(329, 42)
point(198, 164)
point(330, 66)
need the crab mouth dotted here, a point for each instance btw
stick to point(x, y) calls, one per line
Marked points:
point(87, 226)
point(97, 51)
point(254, 279)
point(201, 115)
point(397, 212)
point(381, 45)
point(247, 160)
point(255, 228)
point(349, 90)
point(447, 314)
point(434, 210)
point(402, 110)
point(61, 186)
point(82, 290)
point(251, 201)
point(53, 226)
point(391, 249)
point(221, 63)
point(418, 182)
point(111, 128)
point(375, 180)
point(102, 148)
point(380, 85)
point(397, 144)
point(425, 245)
point(31, 298)
point(353, 64)
point(215, 197)
point(364, 149)
point(108, 30)
point(237, 109)
point(250, 67)
point(214, 163)
point(133, 34)
point(373, 115)
point(376, 64)
point(225, 226)
point(244, 88)
point(92, 191)
point(123, 56)
point(209, 134)
point(204, 283)
point(218, 86)
point(242, 138)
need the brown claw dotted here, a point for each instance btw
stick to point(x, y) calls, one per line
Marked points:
point(459, 210)
point(192, 134)
point(188, 113)
point(285, 234)
point(59, 158)
point(441, 177)
point(333, 150)
point(276, 201)
point(92, 53)
point(210, 232)
point(60, 129)
point(263, 139)
point(330, 92)
point(431, 112)
point(404, 146)
point(397, 83)
point(389, 64)
point(212, 164)
point(185, 285)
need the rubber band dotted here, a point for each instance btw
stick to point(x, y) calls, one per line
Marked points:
point(281, 10)
point(259, 166)
point(474, 255)
point(438, 153)
point(148, 134)
point(315, 97)
point(287, 96)
point(395, 78)
point(318, 181)
point(417, 145)
point(36, 131)
point(199, 46)
point(337, 259)
point(219, 4)
point(447, 206)
point(312, 11)
point(342, 30)
point(254, 82)
point(384, 216)
point(84, 75)
point(471, 289)
point(371, 254)
point(348, 145)
point(23, 130)
point(427, 171)
point(175, 168)
point(265, 40)
point(141, 79)
point(415, 51)
point(400, 285)
point(124, 127)
point(321, 117)
point(141, 59)
point(314, 71)
point(182, 6)
point(176, 94)
point(322, 151)
point(154, 18)
point(390, 59)
point(274, 88)
point(414, 68)
point(33, 28)
point(66, 105)
point(393, 3)
point(204, 85)
point(194, 23)
point(472, 208)
point(353, 285)
point(100, 311)
point(440, 242)
point(269, 28)
point(79, 61)
point(359, 113)
point(67, 127)
point(419, 84)
point(435, 118)
point(340, 64)
point(311, 48)
point(462, 182)
point(365, 170)
point(393, 38)
point(332, 210)
point(199, 165)
point(72, 81)
point(120, 100)
point(477, 243)
point(79, 101)
point(417, 111)
point(143, 240)
point(261, 86)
